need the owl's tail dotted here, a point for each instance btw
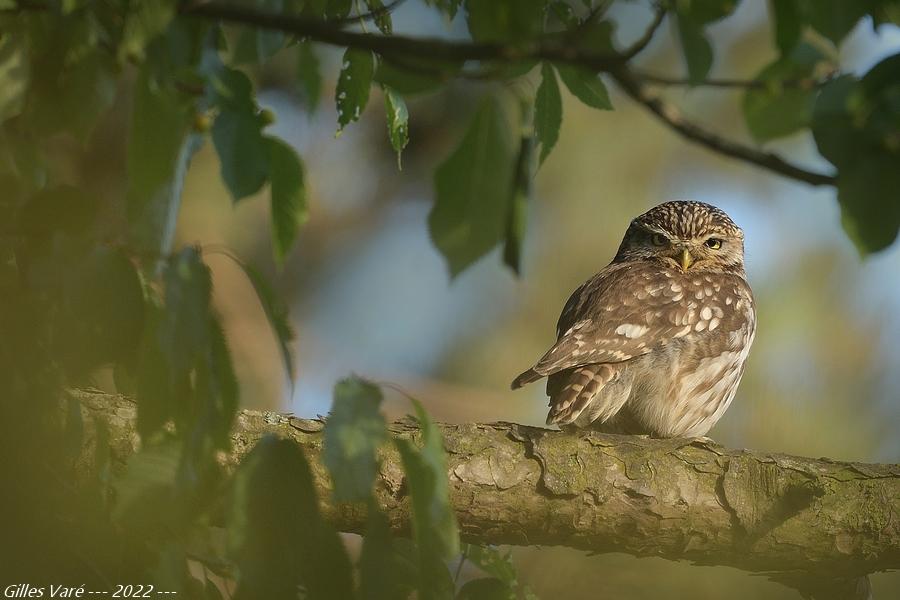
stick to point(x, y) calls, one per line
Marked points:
point(527, 377)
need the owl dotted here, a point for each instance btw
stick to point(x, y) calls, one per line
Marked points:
point(656, 342)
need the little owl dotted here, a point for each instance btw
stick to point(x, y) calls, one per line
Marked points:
point(656, 342)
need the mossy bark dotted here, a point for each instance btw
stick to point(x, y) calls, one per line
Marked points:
point(678, 499)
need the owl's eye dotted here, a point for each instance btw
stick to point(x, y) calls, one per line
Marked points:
point(659, 239)
point(713, 243)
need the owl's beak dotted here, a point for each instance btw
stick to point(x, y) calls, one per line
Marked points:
point(686, 259)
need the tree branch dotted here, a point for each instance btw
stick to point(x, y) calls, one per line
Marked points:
point(641, 43)
point(672, 117)
point(783, 515)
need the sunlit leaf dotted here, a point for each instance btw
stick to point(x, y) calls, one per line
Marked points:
point(354, 83)
point(547, 111)
point(288, 191)
point(277, 535)
point(585, 85)
point(397, 121)
point(353, 432)
point(472, 187)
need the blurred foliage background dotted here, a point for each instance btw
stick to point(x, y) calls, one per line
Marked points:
point(369, 293)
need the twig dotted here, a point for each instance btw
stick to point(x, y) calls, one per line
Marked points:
point(672, 117)
point(641, 43)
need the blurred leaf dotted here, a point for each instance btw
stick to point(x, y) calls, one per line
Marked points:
point(289, 209)
point(704, 12)
point(448, 7)
point(309, 77)
point(471, 210)
point(13, 76)
point(217, 389)
point(382, 16)
point(62, 208)
point(547, 111)
point(184, 330)
point(504, 20)
point(414, 75)
point(397, 121)
point(160, 147)
point(788, 24)
point(433, 521)
point(856, 125)
point(159, 390)
point(493, 562)
point(785, 105)
point(698, 53)
point(563, 13)
point(353, 433)
point(103, 302)
point(869, 212)
point(276, 533)
point(276, 314)
point(488, 588)
point(387, 567)
point(585, 85)
point(833, 18)
point(243, 152)
point(518, 208)
point(338, 9)
point(256, 45)
point(146, 487)
point(354, 82)
point(145, 21)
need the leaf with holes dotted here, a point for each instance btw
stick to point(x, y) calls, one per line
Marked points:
point(354, 82)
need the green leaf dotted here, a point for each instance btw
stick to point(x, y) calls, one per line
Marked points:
point(276, 314)
point(471, 210)
point(243, 151)
point(160, 147)
point(277, 535)
point(504, 20)
point(833, 124)
point(13, 76)
point(382, 16)
point(160, 392)
point(784, 106)
point(488, 588)
point(354, 82)
point(397, 121)
point(145, 21)
point(184, 330)
point(433, 521)
point(309, 77)
point(547, 111)
point(353, 432)
point(493, 562)
point(585, 85)
point(870, 213)
point(788, 24)
point(289, 209)
point(698, 53)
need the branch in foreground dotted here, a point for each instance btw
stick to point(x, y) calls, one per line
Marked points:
point(672, 117)
point(677, 499)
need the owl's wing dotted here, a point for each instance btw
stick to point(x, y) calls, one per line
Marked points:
point(613, 317)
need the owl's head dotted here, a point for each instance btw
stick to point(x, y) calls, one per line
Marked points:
point(690, 236)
